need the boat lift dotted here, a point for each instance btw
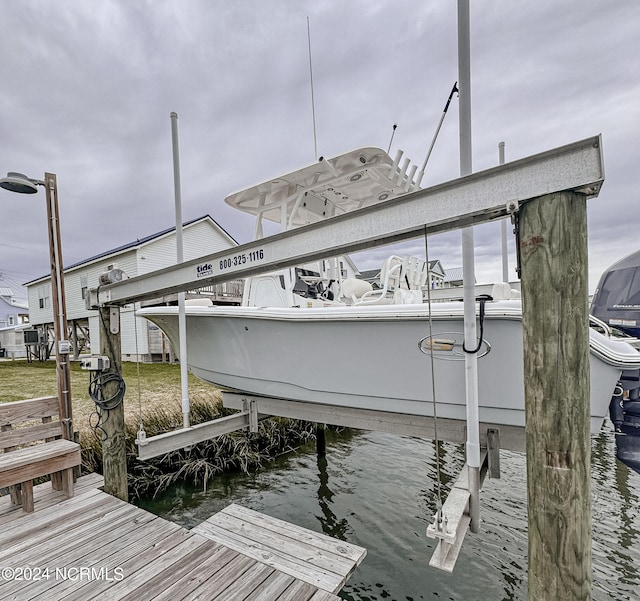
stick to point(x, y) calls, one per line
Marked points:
point(477, 198)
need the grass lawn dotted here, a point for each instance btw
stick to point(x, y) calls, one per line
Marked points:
point(158, 385)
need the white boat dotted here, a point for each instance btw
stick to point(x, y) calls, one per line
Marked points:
point(317, 334)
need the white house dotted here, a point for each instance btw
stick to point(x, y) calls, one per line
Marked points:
point(202, 236)
point(14, 318)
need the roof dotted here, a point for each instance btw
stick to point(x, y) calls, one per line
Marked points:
point(4, 291)
point(369, 273)
point(136, 244)
point(453, 274)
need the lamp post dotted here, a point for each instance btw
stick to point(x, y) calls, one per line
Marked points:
point(17, 182)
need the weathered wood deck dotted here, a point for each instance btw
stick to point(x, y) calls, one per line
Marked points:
point(315, 558)
point(95, 546)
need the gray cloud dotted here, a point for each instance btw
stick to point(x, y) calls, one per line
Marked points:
point(88, 88)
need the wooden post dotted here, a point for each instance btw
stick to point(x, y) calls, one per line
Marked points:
point(321, 440)
point(114, 456)
point(59, 306)
point(553, 244)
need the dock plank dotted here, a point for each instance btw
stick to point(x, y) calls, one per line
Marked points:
point(65, 540)
point(45, 496)
point(298, 591)
point(184, 588)
point(277, 559)
point(273, 587)
point(188, 564)
point(251, 580)
point(130, 554)
point(129, 558)
point(312, 557)
point(43, 526)
point(90, 553)
point(317, 539)
point(151, 568)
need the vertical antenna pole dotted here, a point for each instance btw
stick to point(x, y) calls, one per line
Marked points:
point(503, 227)
point(313, 102)
point(182, 319)
point(468, 269)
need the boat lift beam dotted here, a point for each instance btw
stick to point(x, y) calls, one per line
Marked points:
point(477, 198)
point(246, 418)
point(511, 438)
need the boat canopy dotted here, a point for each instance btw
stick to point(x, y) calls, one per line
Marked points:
point(617, 298)
point(330, 187)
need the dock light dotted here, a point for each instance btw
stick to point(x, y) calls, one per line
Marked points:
point(18, 182)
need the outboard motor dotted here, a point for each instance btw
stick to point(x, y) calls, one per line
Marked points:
point(616, 300)
point(624, 411)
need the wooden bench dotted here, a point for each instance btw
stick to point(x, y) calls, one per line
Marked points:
point(33, 450)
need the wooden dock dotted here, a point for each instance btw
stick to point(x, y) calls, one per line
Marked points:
point(94, 546)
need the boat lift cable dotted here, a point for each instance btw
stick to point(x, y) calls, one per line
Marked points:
point(433, 382)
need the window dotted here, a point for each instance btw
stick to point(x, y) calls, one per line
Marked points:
point(83, 285)
point(44, 297)
point(12, 320)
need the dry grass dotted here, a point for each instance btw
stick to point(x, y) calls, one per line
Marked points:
point(154, 391)
point(158, 386)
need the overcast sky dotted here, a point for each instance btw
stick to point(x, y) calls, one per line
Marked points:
point(88, 86)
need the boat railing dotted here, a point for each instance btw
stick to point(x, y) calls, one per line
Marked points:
point(397, 276)
point(600, 325)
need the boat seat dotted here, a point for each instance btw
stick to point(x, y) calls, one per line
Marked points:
point(353, 289)
point(402, 280)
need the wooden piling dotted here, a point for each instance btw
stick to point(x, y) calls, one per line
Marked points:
point(321, 440)
point(553, 245)
point(114, 457)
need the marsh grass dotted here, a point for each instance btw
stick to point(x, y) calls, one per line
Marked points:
point(153, 396)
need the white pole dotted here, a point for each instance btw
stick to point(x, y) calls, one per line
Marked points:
point(468, 268)
point(182, 319)
point(503, 227)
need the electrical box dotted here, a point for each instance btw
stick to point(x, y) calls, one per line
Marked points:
point(95, 363)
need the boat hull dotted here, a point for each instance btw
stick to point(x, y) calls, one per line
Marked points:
point(370, 358)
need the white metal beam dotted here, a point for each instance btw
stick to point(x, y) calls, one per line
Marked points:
point(185, 437)
point(469, 200)
point(419, 426)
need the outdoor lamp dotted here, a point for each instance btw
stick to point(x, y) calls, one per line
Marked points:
point(18, 182)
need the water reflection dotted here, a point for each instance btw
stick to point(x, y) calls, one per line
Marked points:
point(379, 491)
point(330, 523)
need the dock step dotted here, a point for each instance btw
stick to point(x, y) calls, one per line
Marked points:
point(314, 558)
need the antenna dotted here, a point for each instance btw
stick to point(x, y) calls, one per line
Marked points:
point(435, 137)
point(313, 103)
point(393, 133)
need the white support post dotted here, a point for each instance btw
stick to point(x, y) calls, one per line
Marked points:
point(182, 320)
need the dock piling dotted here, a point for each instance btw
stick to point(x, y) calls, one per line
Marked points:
point(553, 244)
point(114, 456)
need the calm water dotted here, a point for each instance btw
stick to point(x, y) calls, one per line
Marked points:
point(378, 491)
